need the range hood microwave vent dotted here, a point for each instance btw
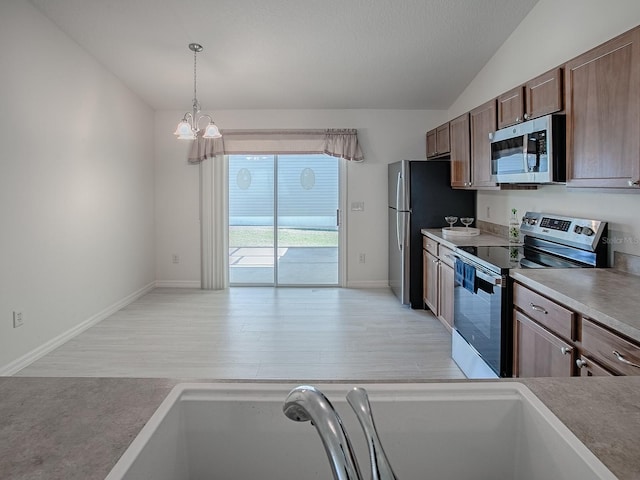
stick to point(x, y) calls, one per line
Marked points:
point(532, 152)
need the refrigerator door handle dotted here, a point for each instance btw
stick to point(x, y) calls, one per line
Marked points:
point(399, 230)
point(399, 195)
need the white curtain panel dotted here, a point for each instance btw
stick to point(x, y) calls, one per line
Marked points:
point(214, 224)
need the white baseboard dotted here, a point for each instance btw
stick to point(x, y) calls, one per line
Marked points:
point(368, 284)
point(35, 354)
point(178, 283)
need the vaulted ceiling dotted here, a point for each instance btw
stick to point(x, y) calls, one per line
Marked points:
point(282, 54)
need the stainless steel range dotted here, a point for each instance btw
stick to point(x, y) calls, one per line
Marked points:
point(482, 338)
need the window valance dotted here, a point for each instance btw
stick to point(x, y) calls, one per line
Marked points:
point(341, 143)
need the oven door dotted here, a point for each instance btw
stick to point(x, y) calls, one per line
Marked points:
point(481, 321)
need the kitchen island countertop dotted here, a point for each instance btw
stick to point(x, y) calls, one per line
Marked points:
point(77, 428)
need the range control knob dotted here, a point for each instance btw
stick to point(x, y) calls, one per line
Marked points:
point(578, 229)
point(587, 231)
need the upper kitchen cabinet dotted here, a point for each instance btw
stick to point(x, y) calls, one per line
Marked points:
point(602, 101)
point(538, 97)
point(511, 107)
point(460, 152)
point(483, 122)
point(543, 94)
point(438, 141)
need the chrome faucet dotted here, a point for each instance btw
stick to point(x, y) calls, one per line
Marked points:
point(306, 403)
point(380, 466)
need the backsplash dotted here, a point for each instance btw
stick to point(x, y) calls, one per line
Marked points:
point(493, 228)
point(626, 262)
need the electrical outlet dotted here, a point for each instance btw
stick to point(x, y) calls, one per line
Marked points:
point(17, 319)
point(362, 258)
point(175, 258)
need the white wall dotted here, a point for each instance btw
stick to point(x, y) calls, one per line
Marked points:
point(76, 184)
point(385, 136)
point(556, 31)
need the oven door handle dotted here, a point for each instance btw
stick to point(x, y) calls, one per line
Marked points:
point(491, 279)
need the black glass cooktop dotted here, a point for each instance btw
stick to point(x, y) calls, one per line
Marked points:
point(504, 258)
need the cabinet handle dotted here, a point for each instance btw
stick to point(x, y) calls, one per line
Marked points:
point(581, 363)
point(566, 350)
point(624, 360)
point(527, 116)
point(434, 261)
point(518, 119)
point(490, 135)
point(538, 308)
point(634, 183)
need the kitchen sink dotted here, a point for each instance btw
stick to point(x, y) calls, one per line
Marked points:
point(485, 430)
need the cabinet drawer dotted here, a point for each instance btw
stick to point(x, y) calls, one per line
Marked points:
point(446, 255)
point(591, 368)
point(609, 349)
point(556, 318)
point(430, 245)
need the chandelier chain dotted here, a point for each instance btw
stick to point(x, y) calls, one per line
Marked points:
point(195, 70)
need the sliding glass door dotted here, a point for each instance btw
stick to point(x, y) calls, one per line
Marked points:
point(283, 220)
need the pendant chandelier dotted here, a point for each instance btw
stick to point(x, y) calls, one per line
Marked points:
point(188, 127)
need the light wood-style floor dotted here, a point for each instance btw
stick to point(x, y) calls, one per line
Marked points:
point(259, 333)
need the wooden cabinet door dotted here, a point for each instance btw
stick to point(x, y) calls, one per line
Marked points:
point(445, 294)
point(511, 107)
point(431, 143)
point(459, 136)
point(430, 281)
point(602, 101)
point(543, 94)
point(483, 121)
point(442, 139)
point(538, 352)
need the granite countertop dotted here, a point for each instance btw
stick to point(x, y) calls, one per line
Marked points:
point(482, 240)
point(77, 428)
point(606, 295)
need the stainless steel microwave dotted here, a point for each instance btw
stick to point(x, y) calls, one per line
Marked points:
point(530, 152)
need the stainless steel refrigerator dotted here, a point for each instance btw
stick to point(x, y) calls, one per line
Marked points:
point(420, 196)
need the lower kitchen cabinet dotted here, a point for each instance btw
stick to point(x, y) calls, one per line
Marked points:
point(445, 294)
point(538, 352)
point(430, 281)
point(551, 340)
point(438, 280)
